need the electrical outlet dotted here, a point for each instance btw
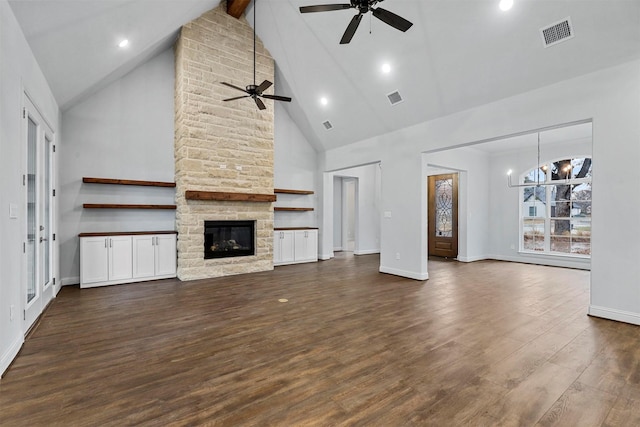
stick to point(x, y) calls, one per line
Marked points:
point(513, 247)
point(12, 310)
point(397, 255)
point(223, 166)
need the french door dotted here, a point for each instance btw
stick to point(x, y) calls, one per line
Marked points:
point(38, 183)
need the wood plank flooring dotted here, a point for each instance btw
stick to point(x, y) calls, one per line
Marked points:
point(485, 344)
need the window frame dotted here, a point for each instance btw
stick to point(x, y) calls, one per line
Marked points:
point(546, 215)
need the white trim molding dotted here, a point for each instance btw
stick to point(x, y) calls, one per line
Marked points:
point(544, 260)
point(325, 257)
point(472, 258)
point(67, 281)
point(11, 354)
point(613, 314)
point(404, 273)
point(367, 252)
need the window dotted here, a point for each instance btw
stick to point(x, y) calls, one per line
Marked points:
point(556, 217)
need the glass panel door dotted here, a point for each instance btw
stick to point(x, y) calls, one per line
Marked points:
point(38, 188)
point(32, 139)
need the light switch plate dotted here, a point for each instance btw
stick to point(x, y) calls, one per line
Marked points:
point(387, 214)
point(13, 210)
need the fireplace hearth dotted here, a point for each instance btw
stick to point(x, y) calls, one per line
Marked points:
point(224, 239)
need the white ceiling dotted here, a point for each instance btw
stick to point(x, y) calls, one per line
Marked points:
point(458, 54)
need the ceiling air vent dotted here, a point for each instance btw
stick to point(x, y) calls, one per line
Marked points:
point(395, 98)
point(557, 32)
point(327, 125)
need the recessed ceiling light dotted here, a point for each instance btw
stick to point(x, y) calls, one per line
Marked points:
point(123, 43)
point(386, 68)
point(324, 101)
point(506, 5)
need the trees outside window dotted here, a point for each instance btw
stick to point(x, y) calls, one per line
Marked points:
point(556, 216)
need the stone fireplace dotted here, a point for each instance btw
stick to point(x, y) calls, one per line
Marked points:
point(221, 147)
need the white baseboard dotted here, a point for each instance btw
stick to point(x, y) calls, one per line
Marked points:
point(403, 273)
point(543, 260)
point(367, 252)
point(613, 314)
point(325, 257)
point(471, 258)
point(67, 281)
point(11, 354)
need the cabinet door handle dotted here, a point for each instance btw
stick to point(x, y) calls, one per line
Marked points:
point(105, 242)
point(110, 243)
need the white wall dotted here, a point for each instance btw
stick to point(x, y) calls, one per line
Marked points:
point(124, 131)
point(504, 222)
point(19, 72)
point(295, 167)
point(610, 97)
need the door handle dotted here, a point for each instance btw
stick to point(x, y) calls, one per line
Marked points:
point(42, 239)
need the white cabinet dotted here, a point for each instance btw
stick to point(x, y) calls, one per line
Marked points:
point(283, 250)
point(154, 256)
point(105, 260)
point(295, 246)
point(114, 259)
point(306, 245)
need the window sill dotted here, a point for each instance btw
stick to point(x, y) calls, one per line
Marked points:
point(556, 255)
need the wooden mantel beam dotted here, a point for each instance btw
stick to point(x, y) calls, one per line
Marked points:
point(236, 8)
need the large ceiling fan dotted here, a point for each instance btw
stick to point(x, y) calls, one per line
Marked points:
point(363, 6)
point(256, 91)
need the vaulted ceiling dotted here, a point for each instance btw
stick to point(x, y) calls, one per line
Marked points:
point(458, 54)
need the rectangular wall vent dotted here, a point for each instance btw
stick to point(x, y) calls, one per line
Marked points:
point(327, 125)
point(557, 32)
point(395, 98)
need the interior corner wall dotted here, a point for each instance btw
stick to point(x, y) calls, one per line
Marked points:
point(124, 131)
point(473, 198)
point(609, 97)
point(295, 164)
point(19, 72)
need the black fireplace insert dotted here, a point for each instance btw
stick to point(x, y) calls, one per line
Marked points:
point(229, 239)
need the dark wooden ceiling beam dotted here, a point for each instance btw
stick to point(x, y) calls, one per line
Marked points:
point(236, 8)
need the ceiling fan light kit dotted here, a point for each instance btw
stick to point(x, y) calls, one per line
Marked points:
point(255, 91)
point(362, 6)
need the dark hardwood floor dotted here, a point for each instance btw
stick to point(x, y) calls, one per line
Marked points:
point(485, 343)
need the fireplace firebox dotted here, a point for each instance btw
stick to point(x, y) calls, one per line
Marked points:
point(224, 239)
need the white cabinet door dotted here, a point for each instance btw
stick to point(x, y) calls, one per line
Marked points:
point(306, 245)
point(283, 247)
point(120, 258)
point(300, 244)
point(312, 245)
point(94, 265)
point(165, 255)
point(143, 256)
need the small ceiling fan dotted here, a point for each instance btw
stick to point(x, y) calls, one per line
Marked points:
point(363, 6)
point(255, 91)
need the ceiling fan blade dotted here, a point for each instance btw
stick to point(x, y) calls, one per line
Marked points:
point(237, 97)
point(397, 22)
point(259, 103)
point(277, 98)
point(263, 86)
point(324, 8)
point(351, 29)
point(235, 87)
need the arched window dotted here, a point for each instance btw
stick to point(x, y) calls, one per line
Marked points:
point(555, 218)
